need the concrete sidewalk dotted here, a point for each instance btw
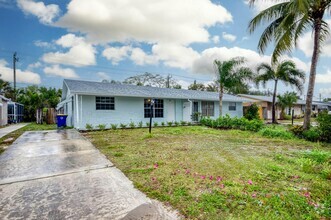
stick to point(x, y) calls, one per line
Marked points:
point(61, 175)
point(10, 128)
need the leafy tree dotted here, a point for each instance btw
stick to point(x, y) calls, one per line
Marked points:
point(154, 80)
point(231, 74)
point(197, 86)
point(287, 21)
point(286, 100)
point(286, 72)
point(213, 87)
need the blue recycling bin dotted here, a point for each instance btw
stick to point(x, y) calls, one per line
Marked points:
point(61, 120)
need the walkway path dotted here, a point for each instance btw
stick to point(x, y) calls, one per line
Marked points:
point(61, 175)
point(10, 128)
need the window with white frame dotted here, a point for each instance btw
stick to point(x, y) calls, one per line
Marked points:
point(104, 103)
point(232, 106)
point(207, 108)
point(158, 108)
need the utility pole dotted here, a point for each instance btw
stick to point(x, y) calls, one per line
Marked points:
point(15, 59)
point(320, 97)
point(168, 81)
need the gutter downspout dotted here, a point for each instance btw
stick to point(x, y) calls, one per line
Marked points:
point(77, 112)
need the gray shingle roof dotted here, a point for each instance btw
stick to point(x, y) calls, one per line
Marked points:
point(99, 88)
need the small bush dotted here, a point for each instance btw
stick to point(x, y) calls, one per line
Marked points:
point(132, 125)
point(252, 112)
point(123, 125)
point(89, 127)
point(311, 135)
point(297, 130)
point(170, 123)
point(324, 126)
point(156, 124)
point(147, 124)
point(182, 123)
point(287, 117)
point(276, 132)
point(140, 124)
point(101, 127)
point(176, 123)
point(113, 126)
point(162, 123)
point(189, 123)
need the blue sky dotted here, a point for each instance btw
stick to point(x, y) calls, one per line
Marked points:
point(115, 39)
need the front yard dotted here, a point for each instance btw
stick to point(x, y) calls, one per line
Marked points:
point(211, 174)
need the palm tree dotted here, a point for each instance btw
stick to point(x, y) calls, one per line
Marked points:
point(286, 100)
point(231, 74)
point(286, 72)
point(287, 22)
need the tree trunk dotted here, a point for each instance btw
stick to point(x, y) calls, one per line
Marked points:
point(274, 121)
point(312, 76)
point(221, 100)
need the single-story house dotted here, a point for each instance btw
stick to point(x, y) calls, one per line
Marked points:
point(97, 103)
point(3, 110)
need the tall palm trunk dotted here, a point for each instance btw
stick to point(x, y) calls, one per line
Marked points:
point(274, 121)
point(221, 99)
point(312, 76)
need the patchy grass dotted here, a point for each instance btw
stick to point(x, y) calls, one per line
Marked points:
point(15, 134)
point(207, 174)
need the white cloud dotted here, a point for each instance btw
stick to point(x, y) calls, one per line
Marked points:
point(80, 53)
point(162, 21)
point(56, 70)
point(43, 44)
point(139, 57)
point(306, 44)
point(21, 76)
point(34, 65)
point(116, 54)
point(103, 75)
point(326, 91)
point(205, 63)
point(45, 13)
point(175, 56)
point(216, 39)
point(228, 37)
point(324, 78)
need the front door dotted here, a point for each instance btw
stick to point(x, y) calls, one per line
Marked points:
point(186, 111)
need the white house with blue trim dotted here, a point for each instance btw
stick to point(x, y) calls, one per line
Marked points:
point(97, 103)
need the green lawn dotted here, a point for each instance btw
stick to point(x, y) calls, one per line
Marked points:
point(228, 174)
point(19, 132)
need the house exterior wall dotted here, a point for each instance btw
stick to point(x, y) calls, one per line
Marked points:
point(81, 110)
point(3, 113)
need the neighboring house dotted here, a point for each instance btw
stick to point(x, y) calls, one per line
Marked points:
point(3, 110)
point(265, 106)
point(264, 103)
point(104, 103)
point(15, 112)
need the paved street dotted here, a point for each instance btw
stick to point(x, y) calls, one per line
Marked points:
point(61, 175)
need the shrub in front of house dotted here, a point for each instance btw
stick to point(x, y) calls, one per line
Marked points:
point(132, 125)
point(324, 126)
point(162, 123)
point(170, 123)
point(113, 126)
point(101, 127)
point(123, 125)
point(252, 112)
point(183, 123)
point(226, 122)
point(276, 132)
point(313, 134)
point(140, 124)
point(89, 127)
point(147, 124)
point(156, 124)
point(176, 123)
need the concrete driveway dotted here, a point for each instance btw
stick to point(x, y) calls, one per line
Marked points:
point(61, 175)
